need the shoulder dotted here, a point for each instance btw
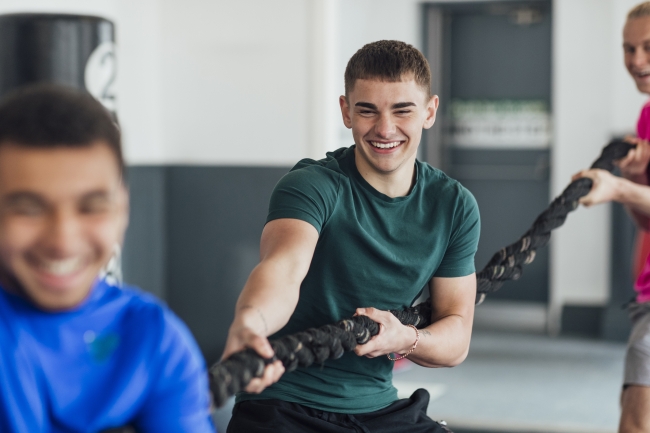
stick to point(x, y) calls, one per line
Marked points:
point(153, 319)
point(445, 188)
point(645, 111)
point(322, 173)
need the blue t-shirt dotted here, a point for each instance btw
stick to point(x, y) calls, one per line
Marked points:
point(119, 358)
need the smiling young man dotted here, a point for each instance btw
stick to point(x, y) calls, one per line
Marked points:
point(632, 190)
point(78, 354)
point(362, 231)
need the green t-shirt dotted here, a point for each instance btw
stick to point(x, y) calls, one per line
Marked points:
point(372, 251)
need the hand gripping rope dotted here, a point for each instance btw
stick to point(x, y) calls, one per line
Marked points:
point(316, 345)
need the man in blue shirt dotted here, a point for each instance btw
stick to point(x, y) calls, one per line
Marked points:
point(78, 354)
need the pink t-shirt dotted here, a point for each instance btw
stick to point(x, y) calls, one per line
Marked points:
point(642, 284)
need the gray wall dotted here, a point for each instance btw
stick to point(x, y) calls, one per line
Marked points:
point(194, 238)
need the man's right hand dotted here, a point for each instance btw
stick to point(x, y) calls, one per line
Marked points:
point(241, 337)
point(634, 165)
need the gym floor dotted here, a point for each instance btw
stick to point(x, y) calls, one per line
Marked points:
point(525, 383)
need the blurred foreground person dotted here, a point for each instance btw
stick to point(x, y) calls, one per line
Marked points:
point(632, 190)
point(364, 230)
point(78, 354)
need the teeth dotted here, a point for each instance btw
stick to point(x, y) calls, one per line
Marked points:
point(385, 145)
point(61, 267)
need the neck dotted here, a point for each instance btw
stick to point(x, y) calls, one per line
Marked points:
point(397, 183)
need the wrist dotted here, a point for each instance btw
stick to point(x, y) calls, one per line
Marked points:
point(411, 337)
point(252, 318)
point(411, 348)
point(641, 178)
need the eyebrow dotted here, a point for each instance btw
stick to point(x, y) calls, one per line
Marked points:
point(627, 44)
point(96, 194)
point(393, 107)
point(18, 196)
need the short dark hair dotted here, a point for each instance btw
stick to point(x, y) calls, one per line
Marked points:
point(639, 11)
point(388, 61)
point(48, 115)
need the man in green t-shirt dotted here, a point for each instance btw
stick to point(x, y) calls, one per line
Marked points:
point(362, 231)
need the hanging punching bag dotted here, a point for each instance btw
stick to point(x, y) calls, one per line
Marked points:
point(71, 50)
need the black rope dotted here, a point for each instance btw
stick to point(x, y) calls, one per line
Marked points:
point(316, 345)
point(507, 263)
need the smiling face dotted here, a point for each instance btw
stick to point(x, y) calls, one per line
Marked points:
point(387, 119)
point(62, 210)
point(636, 46)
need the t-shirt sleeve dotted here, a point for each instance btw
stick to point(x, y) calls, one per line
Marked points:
point(179, 400)
point(308, 194)
point(458, 260)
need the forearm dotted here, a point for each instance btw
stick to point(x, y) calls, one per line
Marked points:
point(636, 199)
point(444, 343)
point(641, 220)
point(268, 299)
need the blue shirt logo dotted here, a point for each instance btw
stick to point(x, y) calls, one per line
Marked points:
point(101, 347)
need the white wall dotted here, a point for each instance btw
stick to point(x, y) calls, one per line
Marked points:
point(582, 100)
point(235, 81)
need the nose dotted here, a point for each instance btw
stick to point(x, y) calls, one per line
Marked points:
point(62, 234)
point(385, 126)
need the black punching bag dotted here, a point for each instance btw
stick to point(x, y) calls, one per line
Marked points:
point(72, 50)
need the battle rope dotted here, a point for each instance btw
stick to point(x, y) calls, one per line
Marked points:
point(316, 345)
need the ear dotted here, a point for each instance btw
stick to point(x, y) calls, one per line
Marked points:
point(123, 212)
point(432, 108)
point(345, 111)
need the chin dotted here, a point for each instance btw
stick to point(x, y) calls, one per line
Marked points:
point(643, 88)
point(59, 304)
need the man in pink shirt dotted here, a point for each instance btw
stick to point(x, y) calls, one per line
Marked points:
point(633, 191)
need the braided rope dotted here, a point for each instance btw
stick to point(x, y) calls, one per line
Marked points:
point(506, 264)
point(316, 345)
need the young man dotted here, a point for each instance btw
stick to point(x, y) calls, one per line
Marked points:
point(633, 191)
point(78, 354)
point(361, 232)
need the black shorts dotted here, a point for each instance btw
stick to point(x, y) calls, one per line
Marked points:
point(277, 416)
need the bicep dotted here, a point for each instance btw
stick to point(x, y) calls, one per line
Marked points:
point(453, 296)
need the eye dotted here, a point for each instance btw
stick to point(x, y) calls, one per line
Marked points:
point(95, 205)
point(27, 209)
point(403, 112)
